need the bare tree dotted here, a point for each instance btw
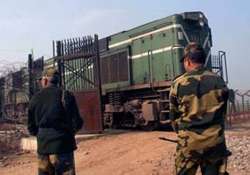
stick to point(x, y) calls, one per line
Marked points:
point(15, 87)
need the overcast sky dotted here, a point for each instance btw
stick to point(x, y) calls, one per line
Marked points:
point(33, 24)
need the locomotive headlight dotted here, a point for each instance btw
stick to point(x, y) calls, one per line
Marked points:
point(201, 20)
point(201, 23)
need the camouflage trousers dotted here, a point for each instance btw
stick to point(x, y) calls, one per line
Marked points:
point(56, 164)
point(186, 166)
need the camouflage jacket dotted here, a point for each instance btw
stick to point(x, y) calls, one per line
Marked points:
point(198, 101)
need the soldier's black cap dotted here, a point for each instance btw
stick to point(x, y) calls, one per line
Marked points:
point(195, 52)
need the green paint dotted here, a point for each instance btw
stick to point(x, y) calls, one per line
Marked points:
point(161, 66)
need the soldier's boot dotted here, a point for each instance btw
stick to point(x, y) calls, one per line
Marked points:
point(63, 163)
point(217, 168)
point(44, 165)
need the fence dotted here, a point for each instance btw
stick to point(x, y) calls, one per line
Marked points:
point(238, 107)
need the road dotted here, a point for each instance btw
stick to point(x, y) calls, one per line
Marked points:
point(131, 153)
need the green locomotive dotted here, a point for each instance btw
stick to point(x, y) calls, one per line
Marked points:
point(137, 67)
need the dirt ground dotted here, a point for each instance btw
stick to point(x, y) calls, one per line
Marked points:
point(10, 135)
point(130, 153)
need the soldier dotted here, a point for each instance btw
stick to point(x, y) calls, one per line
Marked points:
point(53, 117)
point(198, 101)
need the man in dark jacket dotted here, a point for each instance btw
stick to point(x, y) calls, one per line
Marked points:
point(53, 117)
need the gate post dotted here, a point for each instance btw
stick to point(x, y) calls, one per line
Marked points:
point(60, 63)
point(30, 68)
point(98, 73)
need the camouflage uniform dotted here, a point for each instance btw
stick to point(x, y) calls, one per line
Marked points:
point(197, 111)
point(60, 164)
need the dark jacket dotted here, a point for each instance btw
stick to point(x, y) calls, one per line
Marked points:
point(54, 118)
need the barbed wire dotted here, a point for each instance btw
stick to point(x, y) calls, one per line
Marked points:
point(13, 51)
point(7, 67)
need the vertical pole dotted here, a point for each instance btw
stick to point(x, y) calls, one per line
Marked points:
point(225, 61)
point(243, 103)
point(98, 76)
point(59, 64)
point(230, 115)
point(248, 106)
point(1, 96)
point(59, 61)
point(15, 106)
point(238, 106)
point(42, 64)
point(30, 70)
point(53, 46)
point(220, 64)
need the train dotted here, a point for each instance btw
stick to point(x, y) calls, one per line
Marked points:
point(137, 67)
point(14, 96)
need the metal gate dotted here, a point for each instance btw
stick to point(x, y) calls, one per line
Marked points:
point(78, 62)
point(35, 69)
